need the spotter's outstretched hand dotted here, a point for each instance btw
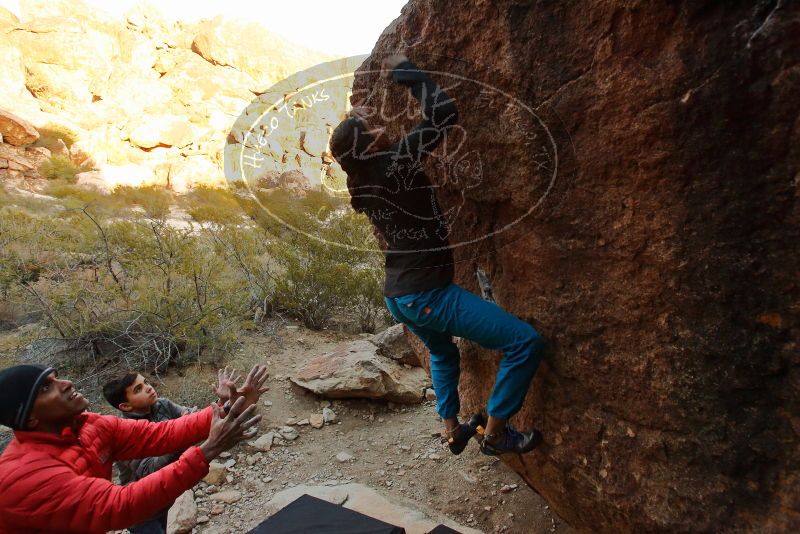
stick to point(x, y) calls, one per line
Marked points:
point(226, 383)
point(253, 386)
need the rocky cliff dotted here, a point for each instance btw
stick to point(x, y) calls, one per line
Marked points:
point(627, 175)
point(146, 100)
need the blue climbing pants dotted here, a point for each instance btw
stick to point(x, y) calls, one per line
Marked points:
point(437, 315)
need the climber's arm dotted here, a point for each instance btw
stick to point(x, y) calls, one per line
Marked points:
point(438, 110)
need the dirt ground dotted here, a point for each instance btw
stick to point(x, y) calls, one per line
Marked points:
point(396, 450)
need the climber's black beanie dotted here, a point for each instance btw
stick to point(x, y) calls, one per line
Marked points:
point(18, 388)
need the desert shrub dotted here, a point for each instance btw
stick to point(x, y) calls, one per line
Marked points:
point(154, 200)
point(62, 189)
point(363, 288)
point(31, 244)
point(49, 135)
point(140, 291)
point(364, 294)
point(319, 204)
point(278, 211)
point(58, 167)
point(245, 251)
point(213, 204)
point(335, 269)
point(311, 281)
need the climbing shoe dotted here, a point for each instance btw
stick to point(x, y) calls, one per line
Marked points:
point(512, 441)
point(458, 439)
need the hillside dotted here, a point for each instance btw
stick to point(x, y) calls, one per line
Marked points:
point(146, 101)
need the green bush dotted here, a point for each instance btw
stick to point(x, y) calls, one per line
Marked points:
point(58, 167)
point(153, 199)
point(213, 205)
point(333, 269)
point(141, 292)
point(64, 190)
point(49, 135)
point(311, 282)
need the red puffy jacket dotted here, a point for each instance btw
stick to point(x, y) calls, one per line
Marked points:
point(51, 483)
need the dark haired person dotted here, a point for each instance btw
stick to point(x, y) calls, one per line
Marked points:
point(55, 475)
point(387, 182)
point(134, 396)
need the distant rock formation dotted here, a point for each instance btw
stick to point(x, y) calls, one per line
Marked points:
point(18, 159)
point(151, 95)
point(15, 130)
point(662, 263)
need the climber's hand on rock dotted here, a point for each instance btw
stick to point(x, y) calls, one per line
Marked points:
point(361, 112)
point(390, 63)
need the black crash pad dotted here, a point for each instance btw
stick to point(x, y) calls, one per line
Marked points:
point(441, 529)
point(308, 514)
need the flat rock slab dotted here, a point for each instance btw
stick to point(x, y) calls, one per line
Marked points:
point(355, 369)
point(412, 516)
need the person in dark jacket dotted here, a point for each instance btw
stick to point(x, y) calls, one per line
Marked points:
point(388, 184)
point(134, 396)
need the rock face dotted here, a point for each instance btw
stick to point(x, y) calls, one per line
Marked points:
point(161, 96)
point(15, 130)
point(356, 370)
point(656, 183)
point(393, 344)
point(21, 161)
point(241, 45)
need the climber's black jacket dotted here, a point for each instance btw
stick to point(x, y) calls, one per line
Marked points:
point(392, 189)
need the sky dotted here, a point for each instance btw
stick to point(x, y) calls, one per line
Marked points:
point(337, 27)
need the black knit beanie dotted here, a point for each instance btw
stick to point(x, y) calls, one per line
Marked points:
point(18, 388)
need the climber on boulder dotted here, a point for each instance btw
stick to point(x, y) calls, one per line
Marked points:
point(55, 474)
point(387, 183)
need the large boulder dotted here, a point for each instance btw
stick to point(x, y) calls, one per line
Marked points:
point(355, 369)
point(166, 130)
point(194, 81)
point(7, 17)
point(13, 93)
point(315, 142)
point(107, 177)
point(16, 130)
point(639, 206)
point(293, 180)
point(248, 47)
point(394, 343)
point(62, 57)
point(130, 93)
